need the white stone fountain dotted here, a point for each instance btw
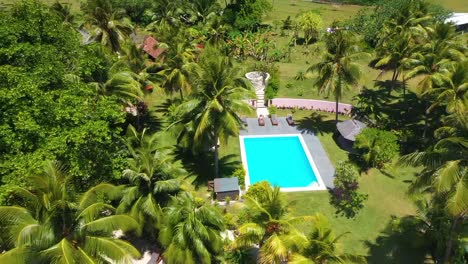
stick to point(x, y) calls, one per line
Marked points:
point(259, 81)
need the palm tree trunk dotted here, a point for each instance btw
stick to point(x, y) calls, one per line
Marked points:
point(336, 110)
point(216, 159)
point(181, 94)
point(449, 246)
point(337, 96)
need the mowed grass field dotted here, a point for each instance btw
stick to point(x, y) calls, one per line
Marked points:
point(457, 6)
point(75, 4)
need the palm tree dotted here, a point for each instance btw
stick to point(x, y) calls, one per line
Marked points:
point(192, 231)
point(322, 246)
point(338, 69)
point(211, 113)
point(153, 175)
point(453, 93)
point(434, 62)
point(110, 26)
point(270, 227)
point(178, 66)
point(52, 226)
point(445, 170)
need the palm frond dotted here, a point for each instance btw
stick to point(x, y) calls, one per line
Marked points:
point(111, 223)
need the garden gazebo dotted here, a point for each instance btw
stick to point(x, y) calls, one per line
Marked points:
point(348, 130)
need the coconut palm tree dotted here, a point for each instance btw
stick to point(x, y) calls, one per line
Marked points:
point(211, 112)
point(153, 175)
point(52, 226)
point(110, 26)
point(453, 93)
point(445, 170)
point(192, 231)
point(270, 227)
point(178, 65)
point(338, 69)
point(434, 62)
point(322, 246)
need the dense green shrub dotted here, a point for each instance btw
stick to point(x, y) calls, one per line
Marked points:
point(240, 174)
point(376, 147)
point(246, 14)
point(345, 196)
point(258, 190)
point(310, 23)
point(135, 9)
point(47, 111)
point(369, 21)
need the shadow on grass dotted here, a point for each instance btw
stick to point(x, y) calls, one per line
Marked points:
point(399, 243)
point(314, 124)
point(202, 165)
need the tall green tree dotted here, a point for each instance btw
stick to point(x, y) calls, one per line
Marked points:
point(212, 112)
point(338, 69)
point(445, 172)
point(153, 175)
point(322, 246)
point(192, 231)
point(109, 26)
point(246, 14)
point(178, 66)
point(50, 225)
point(45, 115)
point(270, 226)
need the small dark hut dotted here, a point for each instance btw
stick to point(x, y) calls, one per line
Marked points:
point(348, 130)
point(224, 187)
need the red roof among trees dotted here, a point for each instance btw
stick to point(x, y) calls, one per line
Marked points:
point(150, 46)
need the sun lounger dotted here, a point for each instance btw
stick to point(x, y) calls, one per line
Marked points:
point(244, 120)
point(290, 120)
point(274, 120)
point(261, 121)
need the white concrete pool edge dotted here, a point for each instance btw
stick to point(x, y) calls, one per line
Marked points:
point(313, 187)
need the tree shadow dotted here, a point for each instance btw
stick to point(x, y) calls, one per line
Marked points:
point(314, 124)
point(202, 165)
point(400, 242)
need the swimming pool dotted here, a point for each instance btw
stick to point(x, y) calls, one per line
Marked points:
point(283, 160)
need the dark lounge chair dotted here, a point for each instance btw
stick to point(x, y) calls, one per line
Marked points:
point(274, 120)
point(244, 120)
point(290, 120)
point(261, 121)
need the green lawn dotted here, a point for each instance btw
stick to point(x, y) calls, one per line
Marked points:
point(453, 5)
point(75, 4)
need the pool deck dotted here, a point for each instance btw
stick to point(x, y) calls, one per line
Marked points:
point(312, 142)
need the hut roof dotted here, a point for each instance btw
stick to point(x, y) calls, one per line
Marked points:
point(226, 184)
point(150, 46)
point(349, 129)
point(458, 19)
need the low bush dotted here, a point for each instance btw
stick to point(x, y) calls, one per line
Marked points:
point(376, 147)
point(345, 196)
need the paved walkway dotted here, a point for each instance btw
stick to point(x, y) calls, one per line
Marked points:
point(319, 105)
point(316, 150)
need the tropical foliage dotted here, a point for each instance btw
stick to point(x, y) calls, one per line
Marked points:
point(376, 147)
point(338, 69)
point(53, 226)
point(345, 196)
point(74, 78)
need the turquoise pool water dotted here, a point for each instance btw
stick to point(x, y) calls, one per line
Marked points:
point(280, 160)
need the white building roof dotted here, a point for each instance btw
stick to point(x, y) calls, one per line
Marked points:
point(458, 19)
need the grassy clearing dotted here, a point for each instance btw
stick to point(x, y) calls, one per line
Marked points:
point(75, 4)
point(453, 5)
point(284, 8)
